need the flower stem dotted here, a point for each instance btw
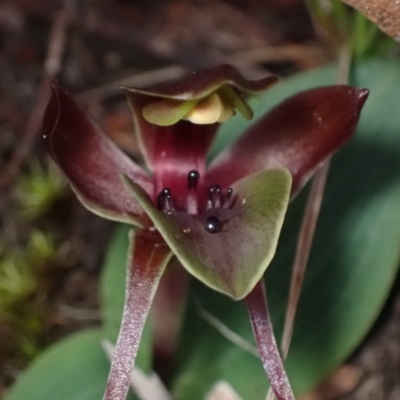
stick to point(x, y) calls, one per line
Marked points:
point(148, 256)
point(257, 307)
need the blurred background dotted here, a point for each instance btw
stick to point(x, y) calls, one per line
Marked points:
point(51, 248)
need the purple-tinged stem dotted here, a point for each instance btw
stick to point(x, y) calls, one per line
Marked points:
point(148, 256)
point(303, 251)
point(257, 307)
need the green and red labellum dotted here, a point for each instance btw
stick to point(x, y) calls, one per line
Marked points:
point(228, 246)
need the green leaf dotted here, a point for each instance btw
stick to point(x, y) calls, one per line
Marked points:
point(353, 264)
point(235, 258)
point(112, 294)
point(75, 368)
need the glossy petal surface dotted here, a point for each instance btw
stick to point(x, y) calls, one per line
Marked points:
point(298, 134)
point(178, 150)
point(234, 259)
point(91, 162)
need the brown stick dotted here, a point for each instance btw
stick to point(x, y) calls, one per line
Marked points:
point(303, 250)
point(51, 68)
point(144, 79)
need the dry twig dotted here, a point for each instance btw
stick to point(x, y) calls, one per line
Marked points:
point(51, 68)
point(225, 330)
point(143, 79)
point(384, 13)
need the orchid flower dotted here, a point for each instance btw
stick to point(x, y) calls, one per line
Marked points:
point(221, 221)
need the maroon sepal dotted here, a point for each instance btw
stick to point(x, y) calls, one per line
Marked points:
point(299, 134)
point(91, 161)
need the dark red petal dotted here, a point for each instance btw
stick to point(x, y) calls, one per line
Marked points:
point(172, 151)
point(147, 258)
point(257, 307)
point(298, 134)
point(202, 83)
point(91, 162)
point(178, 151)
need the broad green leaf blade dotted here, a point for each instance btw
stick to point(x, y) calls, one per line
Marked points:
point(353, 264)
point(75, 368)
point(112, 296)
point(113, 282)
point(234, 259)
